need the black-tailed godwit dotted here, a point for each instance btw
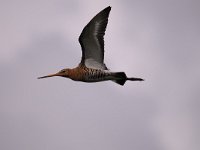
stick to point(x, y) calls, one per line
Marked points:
point(92, 67)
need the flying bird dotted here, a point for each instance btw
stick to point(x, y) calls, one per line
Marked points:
point(92, 67)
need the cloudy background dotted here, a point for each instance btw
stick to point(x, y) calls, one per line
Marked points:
point(153, 39)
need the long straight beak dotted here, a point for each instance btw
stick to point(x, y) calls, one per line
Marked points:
point(51, 75)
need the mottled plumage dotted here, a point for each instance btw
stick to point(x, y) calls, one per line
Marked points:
point(92, 67)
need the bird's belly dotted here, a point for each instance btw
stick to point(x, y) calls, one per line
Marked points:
point(90, 75)
point(94, 80)
point(97, 77)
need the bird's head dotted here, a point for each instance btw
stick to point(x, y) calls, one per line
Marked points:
point(62, 73)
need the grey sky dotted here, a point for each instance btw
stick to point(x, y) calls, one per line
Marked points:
point(155, 40)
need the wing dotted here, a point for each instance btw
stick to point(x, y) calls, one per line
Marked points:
point(92, 40)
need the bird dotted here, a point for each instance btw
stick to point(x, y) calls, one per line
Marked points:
point(92, 67)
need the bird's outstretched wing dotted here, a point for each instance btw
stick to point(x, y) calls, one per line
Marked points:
point(92, 40)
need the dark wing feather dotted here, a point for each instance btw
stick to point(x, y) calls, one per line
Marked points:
point(92, 38)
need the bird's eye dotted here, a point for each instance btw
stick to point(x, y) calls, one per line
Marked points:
point(62, 71)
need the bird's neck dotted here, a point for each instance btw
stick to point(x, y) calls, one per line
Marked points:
point(76, 73)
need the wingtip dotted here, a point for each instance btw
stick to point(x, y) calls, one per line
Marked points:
point(108, 8)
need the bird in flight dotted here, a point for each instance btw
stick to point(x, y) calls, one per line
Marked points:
point(92, 67)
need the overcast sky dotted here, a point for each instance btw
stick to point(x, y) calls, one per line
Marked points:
point(152, 39)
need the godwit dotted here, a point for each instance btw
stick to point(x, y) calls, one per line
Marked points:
point(92, 67)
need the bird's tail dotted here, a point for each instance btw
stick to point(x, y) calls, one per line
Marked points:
point(121, 78)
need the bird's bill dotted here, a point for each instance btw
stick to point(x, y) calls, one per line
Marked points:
point(50, 75)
